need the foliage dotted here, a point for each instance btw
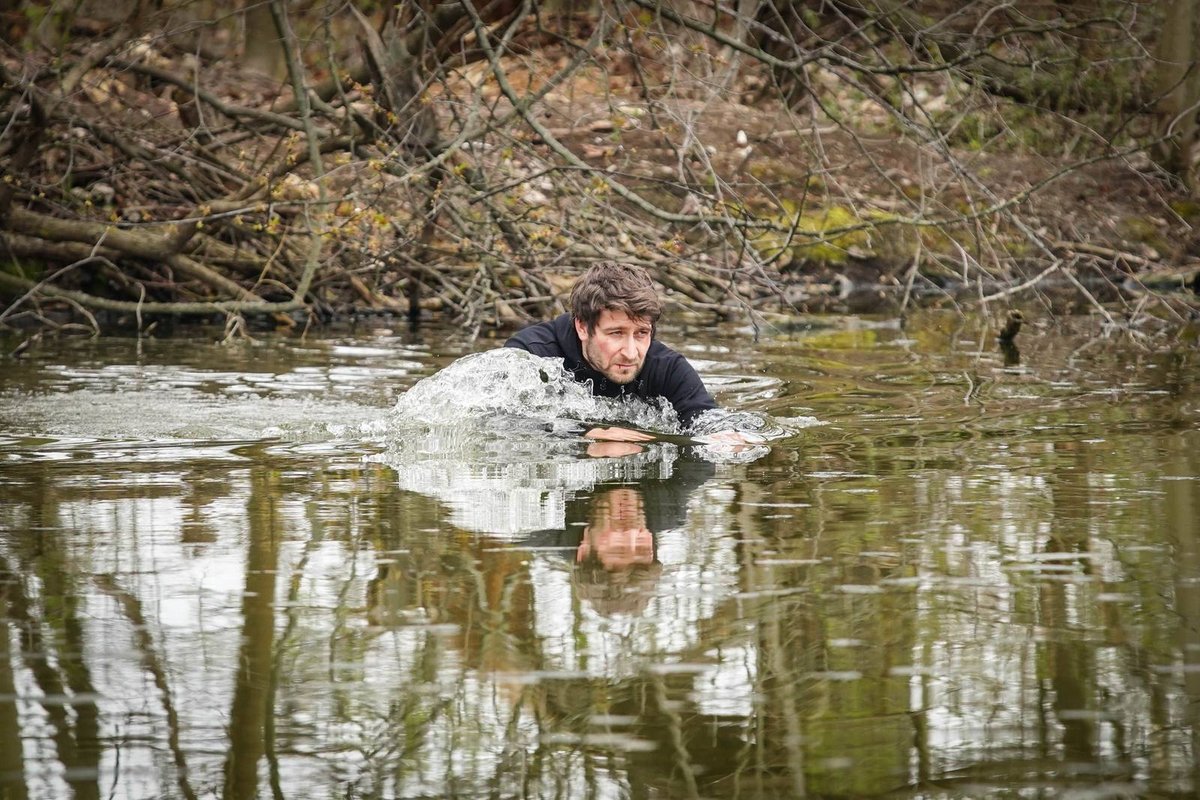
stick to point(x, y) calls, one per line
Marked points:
point(469, 159)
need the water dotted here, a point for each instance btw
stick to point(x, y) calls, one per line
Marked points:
point(263, 570)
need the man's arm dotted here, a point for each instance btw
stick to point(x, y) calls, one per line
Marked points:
point(688, 395)
point(684, 390)
point(618, 435)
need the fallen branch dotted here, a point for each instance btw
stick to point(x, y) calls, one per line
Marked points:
point(130, 243)
point(129, 306)
point(1103, 252)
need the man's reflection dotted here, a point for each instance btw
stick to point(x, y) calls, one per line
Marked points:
point(616, 563)
point(611, 534)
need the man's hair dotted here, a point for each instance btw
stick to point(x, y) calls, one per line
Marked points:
point(616, 287)
point(625, 591)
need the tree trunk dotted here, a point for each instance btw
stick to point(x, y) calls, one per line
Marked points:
point(262, 52)
point(1177, 84)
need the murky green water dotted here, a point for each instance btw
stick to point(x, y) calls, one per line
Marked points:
point(219, 577)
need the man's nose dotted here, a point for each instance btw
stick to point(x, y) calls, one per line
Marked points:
point(629, 347)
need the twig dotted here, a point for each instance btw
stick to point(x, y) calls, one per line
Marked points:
point(1104, 252)
point(287, 37)
point(231, 111)
point(1036, 279)
point(90, 258)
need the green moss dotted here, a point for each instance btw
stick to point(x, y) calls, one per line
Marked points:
point(30, 270)
point(761, 170)
point(819, 236)
point(1188, 210)
point(829, 247)
point(1144, 231)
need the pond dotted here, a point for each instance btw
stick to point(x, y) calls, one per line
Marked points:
point(231, 571)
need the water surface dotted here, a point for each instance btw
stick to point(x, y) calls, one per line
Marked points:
point(235, 571)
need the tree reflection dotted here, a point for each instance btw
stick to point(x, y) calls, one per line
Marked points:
point(1182, 506)
point(43, 604)
point(12, 759)
point(249, 712)
point(153, 663)
point(1069, 659)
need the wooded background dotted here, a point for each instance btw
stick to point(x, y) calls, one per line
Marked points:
point(292, 162)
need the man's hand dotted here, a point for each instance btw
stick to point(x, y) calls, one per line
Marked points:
point(618, 435)
point(730, 437)
point(613, 449)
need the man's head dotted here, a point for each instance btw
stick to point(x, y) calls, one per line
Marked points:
point(615, 308)
point(615, 287)
point(616, 563)
point(616, 532)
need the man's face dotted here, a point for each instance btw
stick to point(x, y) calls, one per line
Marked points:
point(617, 532)
point(617, 347)
point(618, 549)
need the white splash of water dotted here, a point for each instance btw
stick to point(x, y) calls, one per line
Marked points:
point(498, 438)
point(514, 383)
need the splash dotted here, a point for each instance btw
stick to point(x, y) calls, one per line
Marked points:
point(511, 394)
point(755, 426)
point(511, 383)
point(518, 388)
point(497, 438)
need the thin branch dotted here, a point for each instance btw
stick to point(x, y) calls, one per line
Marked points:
point(288, 39)
point(56, 274)
point(1034, 281)
point(180, 308)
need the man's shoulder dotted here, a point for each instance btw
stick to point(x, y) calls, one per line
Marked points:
point(666, 371)
point(663, 355)
point(542, 338)
point(670, 374)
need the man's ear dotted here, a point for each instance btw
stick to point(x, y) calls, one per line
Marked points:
point(581, 329)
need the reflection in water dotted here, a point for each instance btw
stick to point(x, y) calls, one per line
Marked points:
point(44, 606)
point(250, 715)
point(610, 534)
point(561, 622)
point(1181, 516)
point(1011, 353)
point(977, 580)
point(511, 477)
point(616, 564)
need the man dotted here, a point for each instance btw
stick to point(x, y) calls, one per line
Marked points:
point(608, 339)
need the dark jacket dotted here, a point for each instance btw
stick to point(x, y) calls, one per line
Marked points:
point(665, 373)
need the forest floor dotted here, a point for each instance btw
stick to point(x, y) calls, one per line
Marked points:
point(883, 208)
point(994, 203)
point(1119, 218)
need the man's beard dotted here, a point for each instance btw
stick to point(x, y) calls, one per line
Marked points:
point(620, 378)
